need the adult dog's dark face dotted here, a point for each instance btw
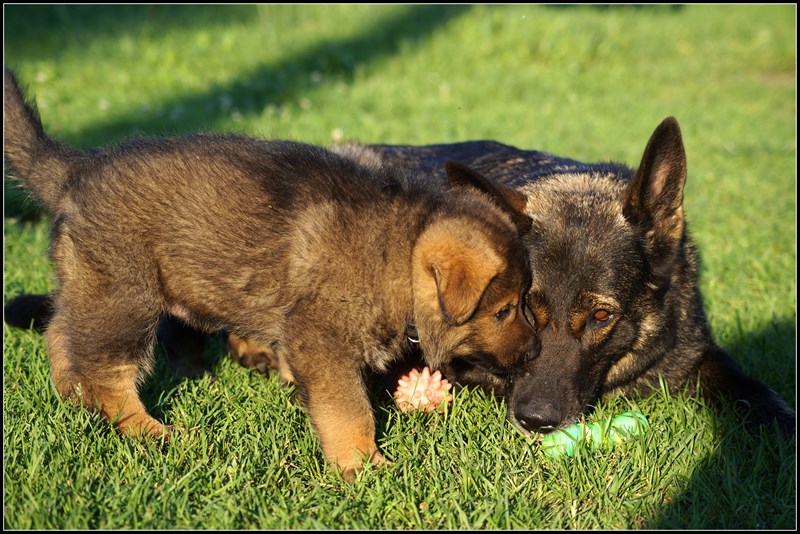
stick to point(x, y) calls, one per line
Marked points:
point(604, 252)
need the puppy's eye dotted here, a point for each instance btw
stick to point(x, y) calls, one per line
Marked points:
point(503, 313)
point(602, 316)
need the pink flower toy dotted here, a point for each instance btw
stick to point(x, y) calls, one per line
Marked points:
point(423, 391)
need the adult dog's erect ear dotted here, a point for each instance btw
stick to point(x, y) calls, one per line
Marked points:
point(654, 198)
point(507, 198)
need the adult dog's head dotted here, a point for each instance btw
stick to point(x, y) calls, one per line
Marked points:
point(611, 275)
point(611, 279)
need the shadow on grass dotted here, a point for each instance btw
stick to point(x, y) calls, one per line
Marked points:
point(267, 84)
point(738, 487)
point(287, 80)
point(77, 26)
point(160, 388)
point(663, 7)
point(741, 486)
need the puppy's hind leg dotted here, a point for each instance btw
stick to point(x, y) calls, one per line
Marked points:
point(101, 380)
point(101, 339)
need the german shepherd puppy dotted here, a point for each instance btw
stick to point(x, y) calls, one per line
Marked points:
point(336, 262)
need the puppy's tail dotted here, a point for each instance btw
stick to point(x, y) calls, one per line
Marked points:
point(39, 162)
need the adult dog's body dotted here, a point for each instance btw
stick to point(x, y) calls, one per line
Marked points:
point(615, 284)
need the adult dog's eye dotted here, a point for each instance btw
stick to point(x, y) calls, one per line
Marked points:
point(503, 313)
point(602, 316)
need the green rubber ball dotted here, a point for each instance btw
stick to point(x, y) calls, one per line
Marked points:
point(563, 441)
point(629, 424)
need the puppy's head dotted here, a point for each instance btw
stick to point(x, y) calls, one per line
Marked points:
point(470, 277)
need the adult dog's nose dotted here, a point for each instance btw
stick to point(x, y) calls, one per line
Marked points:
point(543, 417)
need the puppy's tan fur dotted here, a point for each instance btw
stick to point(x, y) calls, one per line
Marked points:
point(331, 261)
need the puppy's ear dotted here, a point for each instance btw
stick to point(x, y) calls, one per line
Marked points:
point(654, 198)
point(507, 198)
point(462, 263)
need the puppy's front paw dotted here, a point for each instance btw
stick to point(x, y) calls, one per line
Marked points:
point(145, 427)
point(349, 472)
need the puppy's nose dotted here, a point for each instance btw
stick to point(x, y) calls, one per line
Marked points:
point(543, 418)
point(532, 348)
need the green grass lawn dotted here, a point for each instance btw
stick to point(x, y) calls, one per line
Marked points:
point(590, 83)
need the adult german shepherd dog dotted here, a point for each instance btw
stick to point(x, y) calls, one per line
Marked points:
point(336, 262)
point(615, 284)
